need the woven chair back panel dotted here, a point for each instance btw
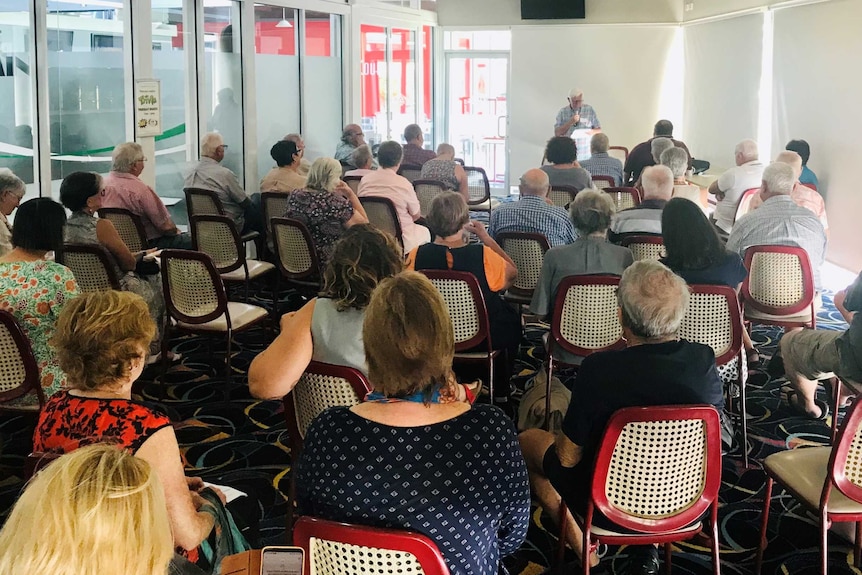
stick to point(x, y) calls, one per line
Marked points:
point(203, 205)
point(192, 289)
point(127, 230)
point(602, 184)
point(708, 321)
point(274, 207)
point(589, 317)
point(215, 239)
point(380, 217)
point(353, 185)
point(88, 270)
point(426, 194)
point(292, 249)
point(528, 257)
point(335, 558)
point(775, 279)
point(411, 175)
point(462, 308)
point(853, 469)
point(475, 186)
point(623, 201)
point(658, 468)
point(559, 197)
point(646, 251)
point(12, 370)
point(316, 393)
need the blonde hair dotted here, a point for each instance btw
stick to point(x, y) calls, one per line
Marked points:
point(95, 511)
point(324, 174)
point(98, 335)
point(408, 337)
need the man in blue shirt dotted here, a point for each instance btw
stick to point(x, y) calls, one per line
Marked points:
point(533, 213)
point(808, 177)
point(600, 163)
point(578, 121)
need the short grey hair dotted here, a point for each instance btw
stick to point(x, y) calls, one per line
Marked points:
point(324, 174)
point(295, 138)
point(125, 156)
point(792, 159)
point(361, 156)
point(411, 132)
point(658, 146)
point(210, 143)
point(657, 182)
point(446, 149)
point(592, 211)
point(747, 149)
point(653, 299)
point(599, 143)
point(9, 182)
point(779, 178)
point(676, 159)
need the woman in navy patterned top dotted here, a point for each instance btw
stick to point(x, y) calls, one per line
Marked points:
point(411, 456)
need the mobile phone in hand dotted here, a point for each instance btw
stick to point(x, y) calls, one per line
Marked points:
point(282, 561)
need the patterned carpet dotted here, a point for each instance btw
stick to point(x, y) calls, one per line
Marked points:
point(229, 438)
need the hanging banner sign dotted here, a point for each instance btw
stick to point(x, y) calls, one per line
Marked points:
point(148, 108)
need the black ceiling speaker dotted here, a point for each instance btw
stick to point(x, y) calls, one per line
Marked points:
point(552, 9)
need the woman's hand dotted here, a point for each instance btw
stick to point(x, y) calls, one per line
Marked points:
point(195, 483)
point(343, 189)
point(478, 228)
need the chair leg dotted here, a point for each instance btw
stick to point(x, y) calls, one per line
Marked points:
point(836, 399)
point(824, 530)
point(764, 519)
point(561, 544)
point(550, 372)
point(743, 416)
point(668, 548)
point(716, 557)
point(228, 372)
point(491, 378)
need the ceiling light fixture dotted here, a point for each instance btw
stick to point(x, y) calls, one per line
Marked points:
point(284, 22)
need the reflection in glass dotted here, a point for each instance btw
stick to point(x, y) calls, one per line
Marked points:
point(402, 81)
point(375, 105)
point(16, 109)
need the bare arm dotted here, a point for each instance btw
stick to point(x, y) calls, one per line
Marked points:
point(561, 130)
point(107, 235)
point(461, 176)
point(275, 371)
point(189, 526)
point(359, 216)
point(715, 190)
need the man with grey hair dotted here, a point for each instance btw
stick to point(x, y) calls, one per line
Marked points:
point(533, 213)
point(732, 184)
point(641, 155)
point(656, 368)
point(804, 196)
point(780, 222)
point(124, 189)
point(578, 121)
point(645, 218)
point(351, 138)
point(209, 174)
point(414, 152)
point(677, 161)
point(600, 163)
point(12, 190)
point(304, 164)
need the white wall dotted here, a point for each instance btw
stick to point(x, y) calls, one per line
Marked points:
point(508, 12)
point(622, 70)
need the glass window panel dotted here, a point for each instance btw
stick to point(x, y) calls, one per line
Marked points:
point(221, 98)
point(402, 81)
point(277, 73)
point(375, 107)
point(478, 40)
point(426, 84)
point(86, 87)
point(323, 91)
point(16, 99)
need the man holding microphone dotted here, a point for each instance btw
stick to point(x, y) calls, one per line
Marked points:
point(577, 116)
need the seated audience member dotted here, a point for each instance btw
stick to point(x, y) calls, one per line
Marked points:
point(732, 184)
point(362, 159)
point(351, 138)
point(124, 189)
point(780, 222)
point(695, 253)
point(101, 342)
point(533, 213)
point(327, 206)
point(448, 217)
point(810, 354)
point(403, 478)
point(386, 183)
point(641, 155)
point(600, 163)
point(80, 192)
point(304, 164)
point(98, 510)
point(286, 177)
point(802, 148)
point(209, 174)
point(35, 290)
point(564, 169)
point(645, 218)
point(12, 190)
point(657, 147)
point(591, 212)
point(802, 195)
point(657, 368)
point(444, 168)
point(675, 159)
point(414, 153)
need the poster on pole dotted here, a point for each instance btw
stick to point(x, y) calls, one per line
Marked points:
point(148, 108)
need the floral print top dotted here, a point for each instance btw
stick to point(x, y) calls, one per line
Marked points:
point(35, 292)
point(324, 214)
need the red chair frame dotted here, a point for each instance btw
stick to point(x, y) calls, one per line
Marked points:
point(629, 239)
point(514, 294)
point(623, 148)
point(571, 190)
point(808, 292)
point(31, 367)
point(609, 180)
point(742, 201)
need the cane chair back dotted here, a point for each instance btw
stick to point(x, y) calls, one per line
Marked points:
point(619, 152)
point(562, 195)
point(645, 247)
point(217, 237)
point(129, 226)
point(342, 549)
point(382, 215)
point(527, 250)
point(624, 198)
point(602, 182)
point(295, 253)
point(478, 186)
point(274, 205)
point(411, 172)
point(91, 265)
point(19, 372)
point(780, 282)
point(426, 191)
point(202, 203)
point(466, 306)
point(585, 316)
point(352, 182)
point(194, 292)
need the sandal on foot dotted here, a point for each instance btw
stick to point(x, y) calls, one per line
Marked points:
point(793, 401)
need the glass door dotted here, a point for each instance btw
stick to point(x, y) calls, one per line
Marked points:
point(476, 106)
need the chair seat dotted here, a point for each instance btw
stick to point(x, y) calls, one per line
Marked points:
point(751, 313)
point(256, 268)
point(241, 315)
point(803, 471)
point(687, 530)
point(486, 206)
point(477, 354)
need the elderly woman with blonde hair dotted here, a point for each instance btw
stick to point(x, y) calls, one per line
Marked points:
point(96, 511)
point(409, 457)
point(327, 206)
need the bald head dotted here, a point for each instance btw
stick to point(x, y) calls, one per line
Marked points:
point(793, 160)
point(534, 183)
point(657, 182)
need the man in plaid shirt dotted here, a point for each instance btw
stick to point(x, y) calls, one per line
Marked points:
point(600, 163)
point(534, 213)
